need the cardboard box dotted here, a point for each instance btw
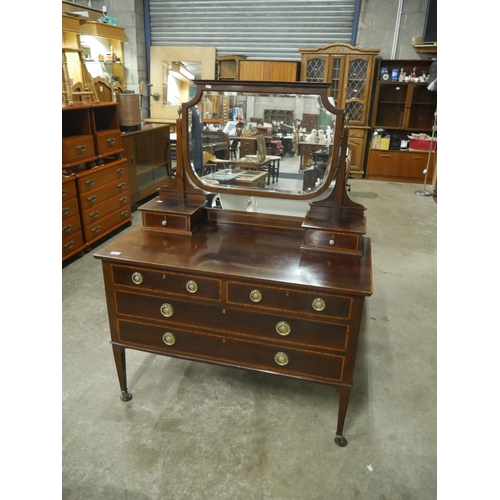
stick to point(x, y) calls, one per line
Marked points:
point(384, 143)
point(422, 144)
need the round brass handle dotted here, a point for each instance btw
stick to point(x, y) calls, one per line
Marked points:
point(192, 286)
point(137, 278)
point(167, 310)
point(283, 328)
point(332, 241)
point(318, 304)
point(255, 296)
point(281, 358)
point(169, 338)
point(164, 222)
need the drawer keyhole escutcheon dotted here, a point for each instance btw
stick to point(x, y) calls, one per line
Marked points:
point(191, 286)
point(318, 304)
point(281, 358)
point(169, 338)
point(255, 296)
point(164, 222)
point(167, 310)
point(137, 278)
point(332, 241)
point(283, 328)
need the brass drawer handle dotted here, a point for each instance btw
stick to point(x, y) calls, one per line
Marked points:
point(121, 185)
point(94, 214)
point(69, 245)
point(283, 328)
point(65, 210)
point(120, 170)
point(81, 148)
point(167, 310)
point(332, 241)
point(111, 141)
point(64, 193)
point(318, 304)
point(281, 358)
point(255, 296)
point(92, 198)
point(123, 199)
point(192, 286)
point(124, 213)
point(66, 228)
point(90, 182)
point(137, 278)
point(96, 229)
point(169, 338)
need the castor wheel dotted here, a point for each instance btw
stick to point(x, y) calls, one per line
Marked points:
point(126, 396)
point(340, 441)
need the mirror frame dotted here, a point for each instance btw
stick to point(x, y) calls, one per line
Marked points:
point(238, 86)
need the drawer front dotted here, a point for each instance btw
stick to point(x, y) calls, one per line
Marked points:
point(334, 241)
point(77, 148)
point(117, 188)
point(69, 190)
point(72, 243)
point(289, 299)
point(71, 225)
point(167, 221)
point(182, 285)
point(256, 325)
point(272, 358)
point(97, 229)
point(94, 214)
point(108, 141)
point(357, 132)
point(69, 208)
point(98, 177)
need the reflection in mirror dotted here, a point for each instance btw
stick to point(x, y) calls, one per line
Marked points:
point(251, 133)
point(176, 82)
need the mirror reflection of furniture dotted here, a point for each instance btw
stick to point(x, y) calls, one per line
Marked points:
point(259, 290)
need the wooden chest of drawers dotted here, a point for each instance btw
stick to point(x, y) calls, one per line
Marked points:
point(72, 237)
point(257, 304)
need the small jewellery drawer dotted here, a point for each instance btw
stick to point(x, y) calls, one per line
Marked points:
point(109, 141)
point(69, 208)
point(342, 242)
point(77, 148)
point(273, 327)
point(98, 212)
point(167, 221)
point(92, 179)
point(173, 283)
point(289, 299)
point(104, 193)
point(70, 225)
point(272, 358)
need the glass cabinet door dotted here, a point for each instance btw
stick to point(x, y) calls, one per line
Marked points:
point(355, 89)
point(391, 107)
point(422, 108)
point(315, 69)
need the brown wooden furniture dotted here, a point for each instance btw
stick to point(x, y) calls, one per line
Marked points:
point(350, 72)
point(277, 294)
point(149, 159)
point(228, 66)
point(305, 151)
point(92, 157)
point(72, 236)
point(268, 71)
point(402, 108)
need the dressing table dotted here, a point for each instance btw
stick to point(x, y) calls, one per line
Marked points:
point(259, 290)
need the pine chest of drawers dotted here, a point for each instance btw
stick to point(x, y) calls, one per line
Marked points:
point(237, 297)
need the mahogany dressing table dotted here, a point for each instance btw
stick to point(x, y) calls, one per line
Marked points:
point(280, 294)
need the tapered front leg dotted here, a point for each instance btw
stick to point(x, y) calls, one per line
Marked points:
point(344, 394)
point(121, 369)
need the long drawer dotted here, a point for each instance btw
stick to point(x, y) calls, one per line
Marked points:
point(104, 193)
point(107, 224)
point(93, 179)
point(233, 321)
point(95, 214)
point(219, 348)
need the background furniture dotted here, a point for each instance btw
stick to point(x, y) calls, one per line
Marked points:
point(72, 236)
point(402, 108)
point(228, 66)
point(268, 71)
point(149, 164)
point(350, 72)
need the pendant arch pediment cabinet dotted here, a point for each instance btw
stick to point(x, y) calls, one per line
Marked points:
point(350, 72)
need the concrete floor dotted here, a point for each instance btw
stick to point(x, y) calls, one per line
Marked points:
point(195, 431)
